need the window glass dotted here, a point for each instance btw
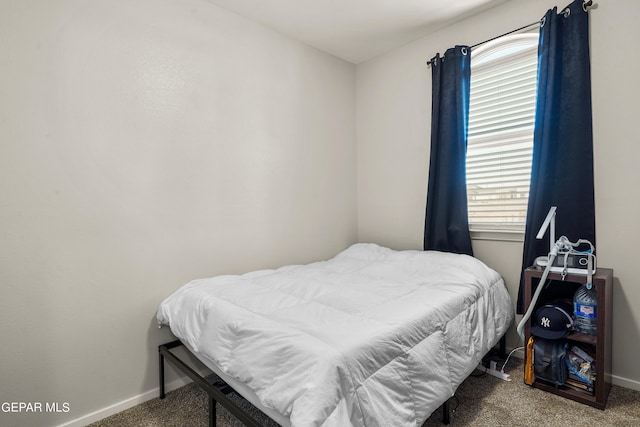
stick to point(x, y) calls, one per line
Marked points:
point(500, 132)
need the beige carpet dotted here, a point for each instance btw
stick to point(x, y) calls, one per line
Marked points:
point(479, 401)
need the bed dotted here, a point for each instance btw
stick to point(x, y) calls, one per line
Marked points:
point(370, 337)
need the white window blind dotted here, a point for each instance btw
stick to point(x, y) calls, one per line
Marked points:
point(500, 132)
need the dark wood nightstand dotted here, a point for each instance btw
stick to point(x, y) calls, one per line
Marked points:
point(599, 345)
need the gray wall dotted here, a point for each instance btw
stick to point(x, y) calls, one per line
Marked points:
point(144, 144)
point(393, 127)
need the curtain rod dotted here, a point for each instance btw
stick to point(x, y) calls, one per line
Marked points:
point(429, 62)
point(538, 22)
point(587, 4)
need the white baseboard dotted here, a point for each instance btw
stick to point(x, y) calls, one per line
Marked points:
point(625, 382)
point(125, 404)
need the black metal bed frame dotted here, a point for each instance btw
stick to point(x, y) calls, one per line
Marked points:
point(219, 390)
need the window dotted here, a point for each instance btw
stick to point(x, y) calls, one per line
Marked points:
point(500, 132)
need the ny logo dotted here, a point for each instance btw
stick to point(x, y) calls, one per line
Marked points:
point(545, 322)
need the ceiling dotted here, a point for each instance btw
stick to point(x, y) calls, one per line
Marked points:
point(356, 30)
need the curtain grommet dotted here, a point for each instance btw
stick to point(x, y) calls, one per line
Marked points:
point(463, 50)
point(567, 12)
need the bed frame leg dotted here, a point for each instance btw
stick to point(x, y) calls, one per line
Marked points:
point(212, 412)
point(446, 416)
point(161, 372)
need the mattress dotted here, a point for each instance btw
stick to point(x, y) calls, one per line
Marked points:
point(371, 337)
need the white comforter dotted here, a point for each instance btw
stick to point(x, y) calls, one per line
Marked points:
point(371, 337)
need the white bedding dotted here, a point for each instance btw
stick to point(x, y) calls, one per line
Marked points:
point(371, 337)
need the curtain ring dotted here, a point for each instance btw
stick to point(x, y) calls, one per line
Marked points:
point(586, 4)
point(567, 12)
point(543, 21)
point(463, 50)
